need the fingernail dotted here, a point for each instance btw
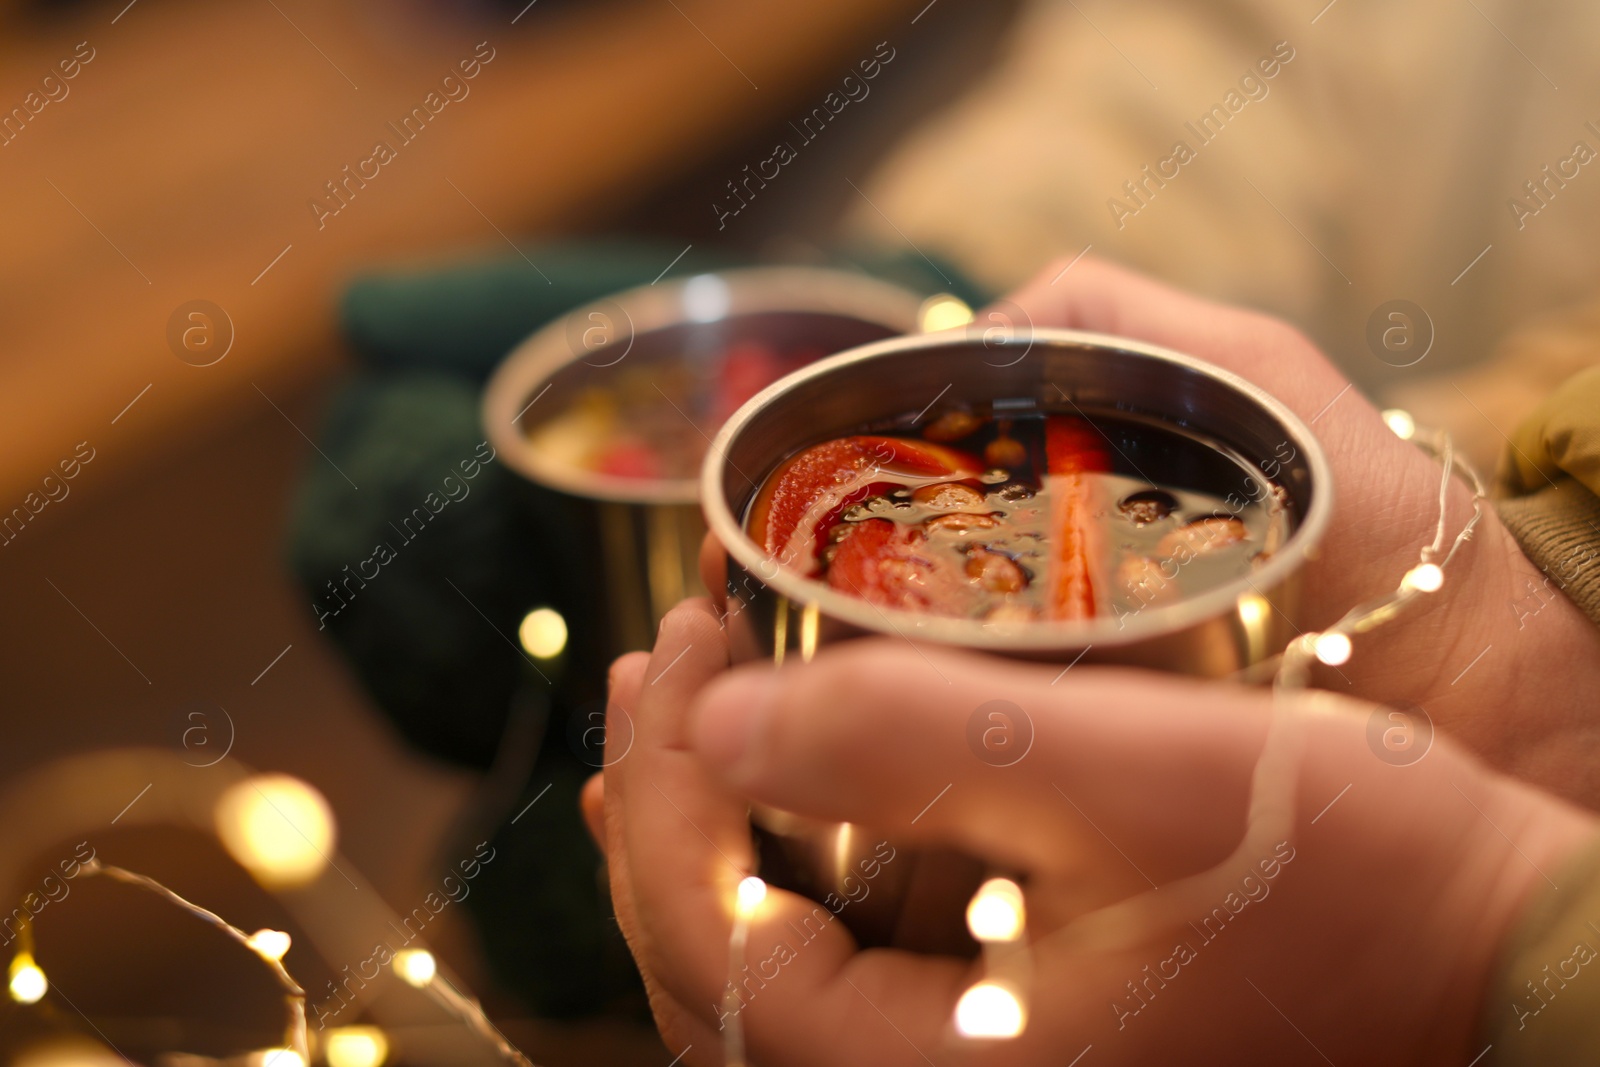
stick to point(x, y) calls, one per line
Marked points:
point(729, 726)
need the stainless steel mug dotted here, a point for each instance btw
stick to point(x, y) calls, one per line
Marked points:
point(644, 534)
point(775, 612)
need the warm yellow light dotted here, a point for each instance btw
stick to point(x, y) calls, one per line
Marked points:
point(989, 1009)
point(543, 633)
point(943, 312)
point(27, 982)
point(277, 1057)
point(416, 966)
point(752, 891)
point(1252, 610)
point(1332, 648)
point(277, 827)
point(1424, 577)
point(270, 944)
point(68, 1051)
point(356, 1046)
point(1401, 422)
point(810, 631)
point(996, 911)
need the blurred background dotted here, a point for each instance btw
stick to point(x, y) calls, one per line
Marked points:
point(1340, 163)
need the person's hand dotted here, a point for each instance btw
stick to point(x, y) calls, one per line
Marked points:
point(1498, 656)
point(1363, 934)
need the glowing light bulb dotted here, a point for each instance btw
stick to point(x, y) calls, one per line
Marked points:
point(270, 944)
point(990, 1010)
point(416, 966)
point(276, 827)
point(1252, 610)
point(356, 1046)
point(28, 984)
point(752, 891)
point(943, 312)
point(996, 911)
point(543, 633)
point(1401, 422)
point(277, 1057)
point(1424, 578)
point(1331, 648)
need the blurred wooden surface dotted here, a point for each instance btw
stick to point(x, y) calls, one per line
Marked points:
point(181, 164)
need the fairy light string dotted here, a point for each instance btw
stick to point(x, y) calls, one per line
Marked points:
point(996, 1006)
point(416, 967)
point(747, 898)
point(28, 984)
point(1333, 644)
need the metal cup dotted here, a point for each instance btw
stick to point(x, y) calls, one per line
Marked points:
point(642, 536)
point(775, 612)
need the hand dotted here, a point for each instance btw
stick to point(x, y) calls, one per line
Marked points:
point(1526, 704)
point(1365, 934)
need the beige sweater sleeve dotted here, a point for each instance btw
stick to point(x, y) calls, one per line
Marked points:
point(1543, 1009)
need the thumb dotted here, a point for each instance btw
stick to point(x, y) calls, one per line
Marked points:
point(914, 742)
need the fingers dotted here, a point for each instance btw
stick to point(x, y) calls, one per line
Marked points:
point(685, 1033)
point(681, 1030)
point(622, 692)
point(690, 650)
point(684, 837)
point(622, 689)
point(1099, 296)
point(888, 1009)
point(634, 730)
point(679, 843)
point(913, 742)
point(714, 571)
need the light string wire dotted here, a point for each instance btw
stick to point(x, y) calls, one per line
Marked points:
point(296, 1039)
point(471, 1014)
point(996, 1006)
point(747, 897)
point(1426, 577)
point(732, 1010)
point(269, 946)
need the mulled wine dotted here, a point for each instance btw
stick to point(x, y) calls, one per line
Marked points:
point(1010, 514)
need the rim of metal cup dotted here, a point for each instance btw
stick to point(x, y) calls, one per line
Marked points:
point(1033, 636)
point(513, 388)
